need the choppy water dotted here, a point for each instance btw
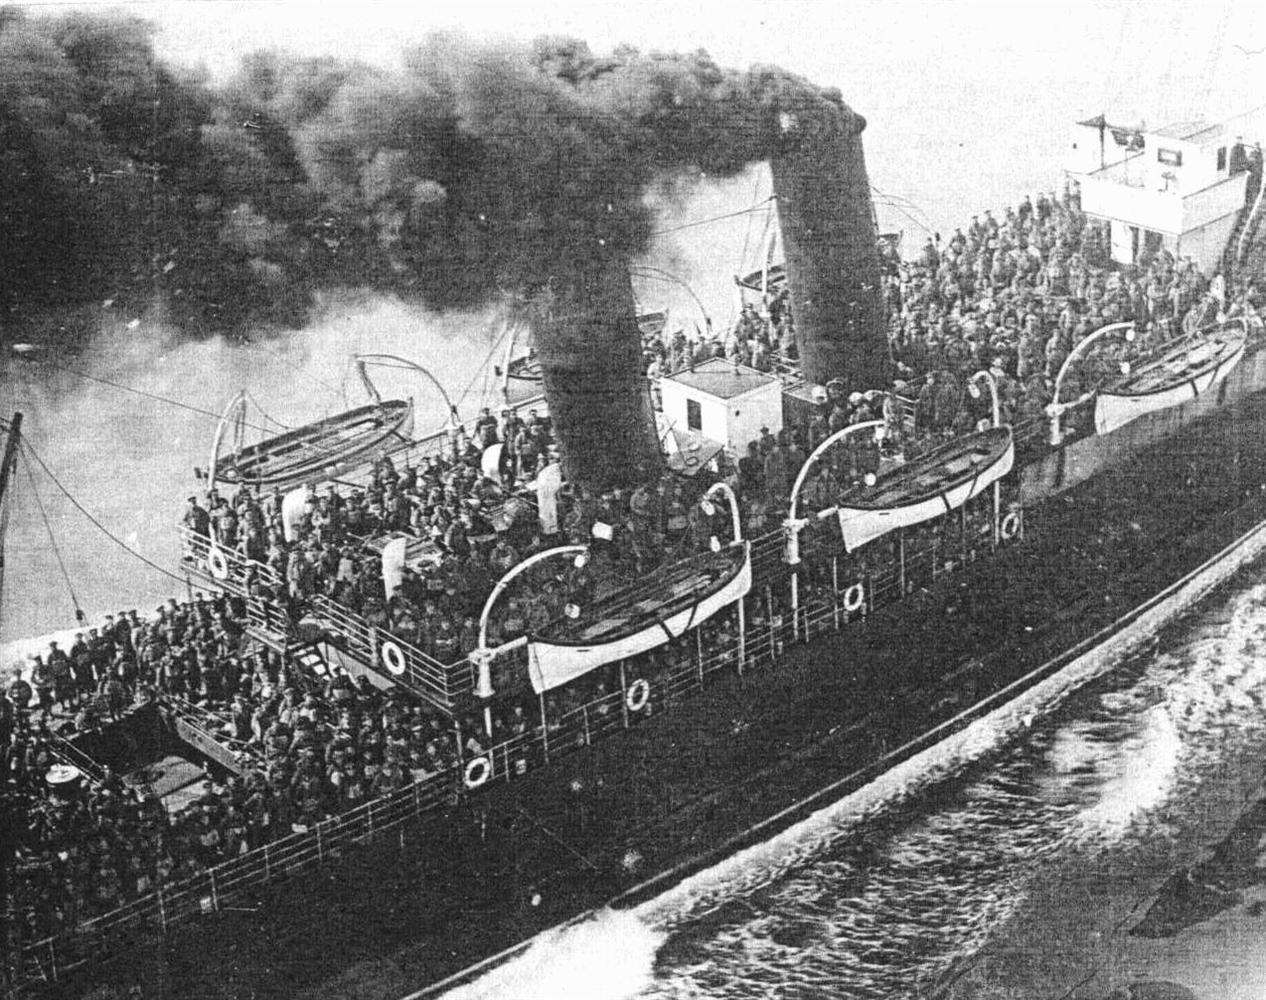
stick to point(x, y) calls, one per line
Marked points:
point(1044, 842)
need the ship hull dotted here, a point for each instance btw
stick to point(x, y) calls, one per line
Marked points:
point(690, 783)
point(1075, 463)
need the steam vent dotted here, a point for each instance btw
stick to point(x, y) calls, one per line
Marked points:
point(590, 352)
point(828, 230)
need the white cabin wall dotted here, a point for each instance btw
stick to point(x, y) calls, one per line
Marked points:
point(1205, 244)
point(748, 413)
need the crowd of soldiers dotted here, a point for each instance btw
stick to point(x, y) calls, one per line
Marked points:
point(1012, 296)
point(308, 748)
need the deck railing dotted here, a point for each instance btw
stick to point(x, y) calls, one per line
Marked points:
point(395, 658)
point(639, 694)
point(226, 566)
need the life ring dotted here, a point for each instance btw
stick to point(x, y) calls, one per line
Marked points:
point(1010, 526)
point(217, 564)
point(392, 658)
point(478, 771)
point(638, 694)
point(855, 597)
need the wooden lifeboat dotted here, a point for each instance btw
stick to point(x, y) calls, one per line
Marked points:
point(769, 279)
point(651, 613)
point(926, 487)
point(319, 450)
point(1178, 375)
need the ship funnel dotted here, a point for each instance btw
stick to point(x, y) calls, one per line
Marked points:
point(590, 351)
point(828, 231)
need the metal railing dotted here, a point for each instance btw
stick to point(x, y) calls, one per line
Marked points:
point(227, 567)
point(266, 616)
point(392, 656)
point(643, 691)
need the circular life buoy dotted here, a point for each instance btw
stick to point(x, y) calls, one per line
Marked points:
point(392, 658)
point(217, 564)
point(1010, 526)
point(638, 694)
point(854, 597)
point(477, 772)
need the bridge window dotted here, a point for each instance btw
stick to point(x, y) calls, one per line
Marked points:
point(1170, 157)
point(694, 415)
point(1222, 158)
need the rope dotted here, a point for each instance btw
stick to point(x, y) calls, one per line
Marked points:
point(100, 527)
point(52, 539)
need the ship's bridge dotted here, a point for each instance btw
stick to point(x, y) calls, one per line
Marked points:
point(1180, 187)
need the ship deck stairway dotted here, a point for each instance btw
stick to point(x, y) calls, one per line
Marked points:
point(268, 626)
point(308, 658)
point(68, 753)
point(1245, 255)
point(207, 731)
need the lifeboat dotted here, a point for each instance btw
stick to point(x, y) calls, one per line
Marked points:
point(926, 487)
point(527, 368)
point(652, 324)
point(322, 449)
point(765, 280)
point(1178, 375)
point(639, 618)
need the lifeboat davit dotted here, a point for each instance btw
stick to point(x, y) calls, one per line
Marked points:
point(926, 487)
point(1178, 375)
point(639, 618)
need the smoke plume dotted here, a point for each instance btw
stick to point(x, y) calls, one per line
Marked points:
point(474, 170)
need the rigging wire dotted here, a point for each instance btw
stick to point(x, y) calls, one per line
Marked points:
point(263, 413)
point(298, 368)
point(496, 346)
point(141, 392)
point(1115, 74)
point(908, 202)
point(747, 237)
point(902, 211)
point(32, 453)
point(716, 218)
point(52, 538)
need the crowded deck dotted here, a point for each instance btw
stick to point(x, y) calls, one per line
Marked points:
point(394, 569)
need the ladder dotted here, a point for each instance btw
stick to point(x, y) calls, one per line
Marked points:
point(309, 659)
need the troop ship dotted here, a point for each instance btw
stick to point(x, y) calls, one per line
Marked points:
point(922, 566)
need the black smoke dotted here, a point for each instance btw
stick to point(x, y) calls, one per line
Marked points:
point(475, 171)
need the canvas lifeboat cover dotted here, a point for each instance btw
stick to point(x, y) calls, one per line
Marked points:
point(1178, 375)
point(639, 618)
point(926, 487)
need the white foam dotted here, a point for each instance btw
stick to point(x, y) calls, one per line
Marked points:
point(1136, 778)
point(610, 956)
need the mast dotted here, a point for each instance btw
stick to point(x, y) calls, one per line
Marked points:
point(13, 439)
